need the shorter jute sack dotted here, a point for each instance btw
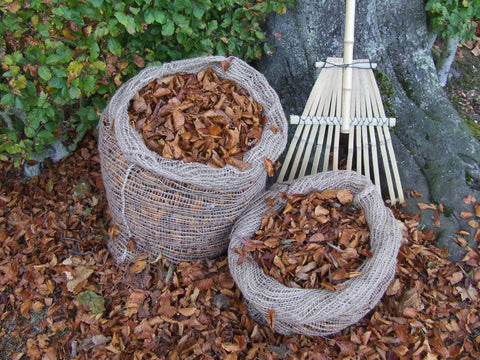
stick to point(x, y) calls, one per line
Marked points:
point(317, 312)
point(183, 211)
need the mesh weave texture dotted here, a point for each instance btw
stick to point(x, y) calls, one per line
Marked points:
point(184, 211)
point(318, 312)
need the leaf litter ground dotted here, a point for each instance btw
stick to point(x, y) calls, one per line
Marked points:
point(63, 297)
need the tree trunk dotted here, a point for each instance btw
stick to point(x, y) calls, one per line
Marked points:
point(436, 153)
point(445, 60)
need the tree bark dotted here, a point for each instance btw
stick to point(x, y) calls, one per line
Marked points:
point(445, 60)
point(436, 153)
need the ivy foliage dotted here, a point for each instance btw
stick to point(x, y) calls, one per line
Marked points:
point(453, 18)
point(61, 60)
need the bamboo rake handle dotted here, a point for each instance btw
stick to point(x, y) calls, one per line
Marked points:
point(348, 41)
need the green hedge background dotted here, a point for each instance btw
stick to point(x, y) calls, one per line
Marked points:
point(61, 60)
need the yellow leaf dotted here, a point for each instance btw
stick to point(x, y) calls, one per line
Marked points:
point(288, 208)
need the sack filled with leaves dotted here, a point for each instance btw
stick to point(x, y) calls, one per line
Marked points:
point(314, 255)
point(184, 148)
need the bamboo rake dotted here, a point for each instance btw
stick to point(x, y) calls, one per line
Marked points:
point(344, 99)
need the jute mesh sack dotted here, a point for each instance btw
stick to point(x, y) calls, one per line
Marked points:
point(183, 211)
point(318, 312)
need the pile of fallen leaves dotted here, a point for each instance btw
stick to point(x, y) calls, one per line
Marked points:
point(317, 240)
point(62, 296)
point(198, 118)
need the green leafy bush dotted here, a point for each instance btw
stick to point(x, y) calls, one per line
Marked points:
point(62, 59)
point(453, 18)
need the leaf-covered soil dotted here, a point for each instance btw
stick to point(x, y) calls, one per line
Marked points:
point(463, 87)
point(63, 297)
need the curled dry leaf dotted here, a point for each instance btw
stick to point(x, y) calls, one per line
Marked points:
point(317, 240)
point(469, 199)
point(269, 166)
point(198, 118)
point(42, 239)
point(466, 214)
point(424, 206)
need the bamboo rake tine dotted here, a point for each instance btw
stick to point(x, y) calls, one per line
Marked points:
point(384, 135)
point(337, 102)
point(291, 149)
point(388, 175)
point(356, 111)
point(376, 103)
point(373, 148)
point(366, 158)
point(318, 151)
point(308, 150)
point(351, 139)
point(336, 147)
point(319, 103)
point(358, 147)
point(393, 159)
point(299, 132)
point(323, 109)
point(370, 114)
point(388, 140)
point(328, 145)
point(364, 139)
point(299, 153)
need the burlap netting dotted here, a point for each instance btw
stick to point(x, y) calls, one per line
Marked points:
point(318, 311)
point(184, 211)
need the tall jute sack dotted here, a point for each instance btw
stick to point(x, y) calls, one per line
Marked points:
point(317, 311)
point(183, 211)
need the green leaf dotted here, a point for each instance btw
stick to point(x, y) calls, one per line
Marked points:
point(94, 51)
point(160, 16)
point(96, 3)
point(220, 48)
point(29, 132)
point(74, 93)
point(57, 83)
point(149, 16)
point(88, 84)
point(8, 99)
point(42, 99)
point(180, 20)
point(45, 137)
point(99, 65)
point(127, 21)
point(114, 46)
point(198, 12)
point(44, 73)
point(206, 44)
point(64, 54)
point(52, 59)
point(168, 28)
point(94, 302)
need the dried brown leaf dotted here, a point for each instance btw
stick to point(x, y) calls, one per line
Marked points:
point(424, 206)
point(269, 167)
point(469, 200)
point(466, 214)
